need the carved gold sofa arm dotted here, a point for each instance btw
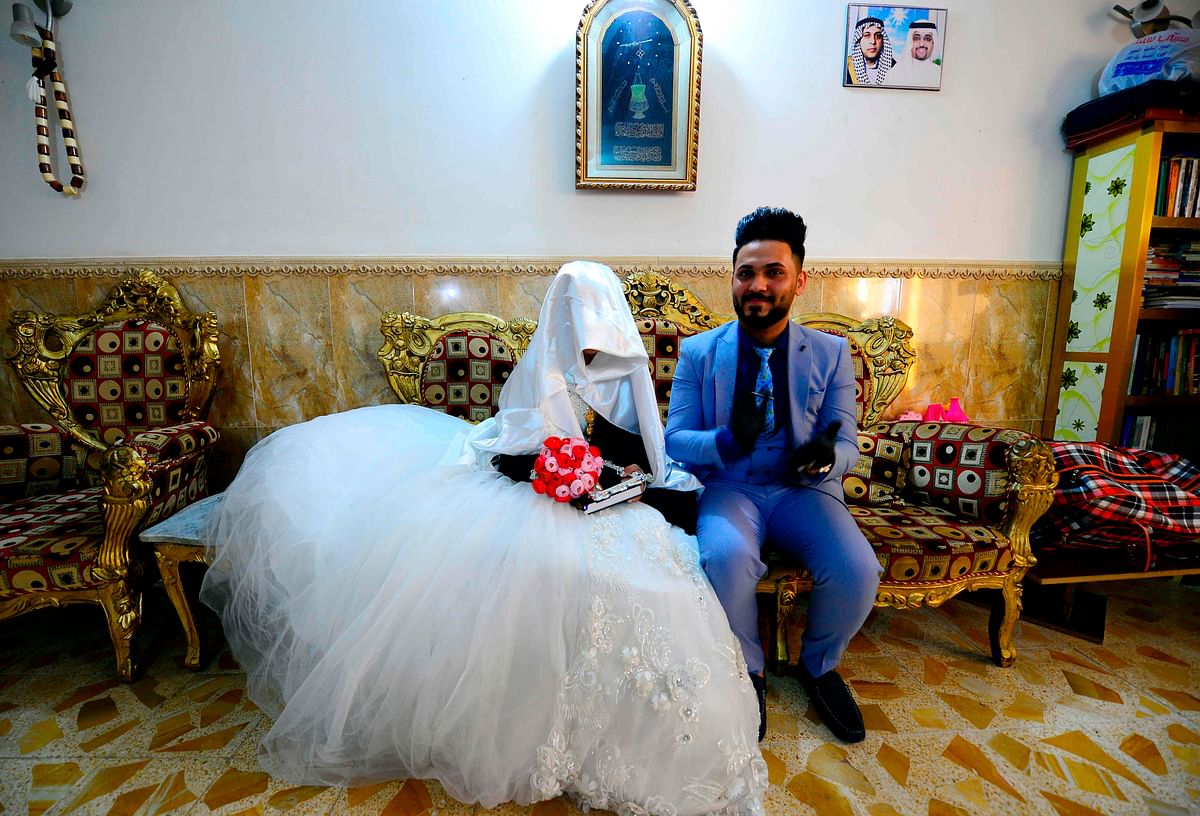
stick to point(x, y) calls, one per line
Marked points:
point(145, 478)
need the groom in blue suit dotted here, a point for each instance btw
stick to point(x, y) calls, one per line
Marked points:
point(763, 412)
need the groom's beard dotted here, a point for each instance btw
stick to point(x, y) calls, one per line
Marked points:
point(760, 320)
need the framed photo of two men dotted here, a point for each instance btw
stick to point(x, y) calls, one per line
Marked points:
point(637, 95)
point(894, 47)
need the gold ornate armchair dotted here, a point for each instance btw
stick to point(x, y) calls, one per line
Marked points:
point(127, 386)
point(947, 507)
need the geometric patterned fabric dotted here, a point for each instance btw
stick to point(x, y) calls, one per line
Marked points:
point(180, 471)
point(464, 374)
point(124, 378)
point(863, 388)
point(915, 543)
point(962, 468)
point(879, 475)
point(35, 458)
point(661, 339)
point(50, 541)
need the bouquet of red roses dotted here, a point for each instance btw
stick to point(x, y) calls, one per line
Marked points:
point(567, 468)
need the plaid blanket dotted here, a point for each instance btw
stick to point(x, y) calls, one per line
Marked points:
point(1109, 497)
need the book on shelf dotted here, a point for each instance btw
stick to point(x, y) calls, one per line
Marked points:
point(1164, 363)
point(1172, 362)
point(1133, 365)
point(1178, 192)
point(1188, 205)
point(1160, 191)
point(1180, 183)
point(1138, 431)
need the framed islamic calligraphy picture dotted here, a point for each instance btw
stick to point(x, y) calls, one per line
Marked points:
point(894, 47)
point(637, 95)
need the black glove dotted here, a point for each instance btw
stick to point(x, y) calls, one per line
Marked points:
point(816, 453)
point(747, 420)
point(515, 466)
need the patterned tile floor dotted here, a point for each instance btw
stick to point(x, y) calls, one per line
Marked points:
point(1073, 728)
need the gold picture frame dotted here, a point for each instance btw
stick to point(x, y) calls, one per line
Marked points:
point(637, 95)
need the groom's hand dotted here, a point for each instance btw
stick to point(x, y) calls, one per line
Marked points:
point(747, 420)
point(815, 457)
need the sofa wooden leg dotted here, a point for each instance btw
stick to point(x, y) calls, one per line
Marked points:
point(122, 605)
point(785, 604)
point(1002, 623)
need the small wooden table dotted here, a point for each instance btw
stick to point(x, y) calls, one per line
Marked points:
point(177, 540)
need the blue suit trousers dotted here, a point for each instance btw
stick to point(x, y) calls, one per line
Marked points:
point(809, 527)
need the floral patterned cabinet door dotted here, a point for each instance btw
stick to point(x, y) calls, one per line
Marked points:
point(1108, 232)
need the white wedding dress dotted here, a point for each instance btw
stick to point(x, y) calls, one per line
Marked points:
point(401, 617)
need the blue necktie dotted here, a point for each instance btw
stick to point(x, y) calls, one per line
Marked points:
point(764, 389)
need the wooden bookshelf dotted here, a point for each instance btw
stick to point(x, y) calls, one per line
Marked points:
point(1163, 401)
point(1114, 195)
point(1179, 315)
point(1166, 222)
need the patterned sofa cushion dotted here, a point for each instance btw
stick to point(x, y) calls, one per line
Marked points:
point(879, 475)
point(963, 468)
point(50, 541)
point(920, 544)
point(126, 377)
point(661, 338)
point(464, 373)
point(916, 544)
point(35, 458)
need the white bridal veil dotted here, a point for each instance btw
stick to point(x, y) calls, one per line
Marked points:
point(584, 308)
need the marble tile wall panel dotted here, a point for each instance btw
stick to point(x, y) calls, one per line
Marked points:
point(863, 297)
point(292, 346)
point(356, 303)
point(233, 403)
point(1006, 377)
point(439, 294)
point(716, 293)
point(522, 295)
point(941, 314)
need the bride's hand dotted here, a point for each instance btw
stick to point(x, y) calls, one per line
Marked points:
point(630, 470)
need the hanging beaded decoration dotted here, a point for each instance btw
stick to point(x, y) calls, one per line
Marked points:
point(45, 63)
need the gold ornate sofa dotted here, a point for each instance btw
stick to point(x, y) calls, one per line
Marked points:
point(947, 507)
point(127, 386)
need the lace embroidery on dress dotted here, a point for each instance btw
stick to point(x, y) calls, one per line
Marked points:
point(575, 757)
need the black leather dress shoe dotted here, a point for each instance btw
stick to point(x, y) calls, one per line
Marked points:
point(760, 688)
point(835, 705)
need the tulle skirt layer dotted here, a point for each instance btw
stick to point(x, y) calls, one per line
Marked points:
point(399, 618)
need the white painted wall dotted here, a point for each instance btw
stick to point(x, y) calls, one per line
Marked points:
point(445, 127)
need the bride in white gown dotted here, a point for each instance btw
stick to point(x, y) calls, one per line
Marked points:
point(403, 610)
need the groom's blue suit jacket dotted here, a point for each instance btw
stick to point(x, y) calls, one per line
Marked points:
point(820, 386)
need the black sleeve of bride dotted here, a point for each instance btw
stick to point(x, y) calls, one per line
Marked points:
point(624, 448)
point(516, 466)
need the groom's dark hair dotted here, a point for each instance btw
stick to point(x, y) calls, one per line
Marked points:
point(771, 224)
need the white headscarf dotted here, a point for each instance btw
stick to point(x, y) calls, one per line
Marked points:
point(584, 308)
